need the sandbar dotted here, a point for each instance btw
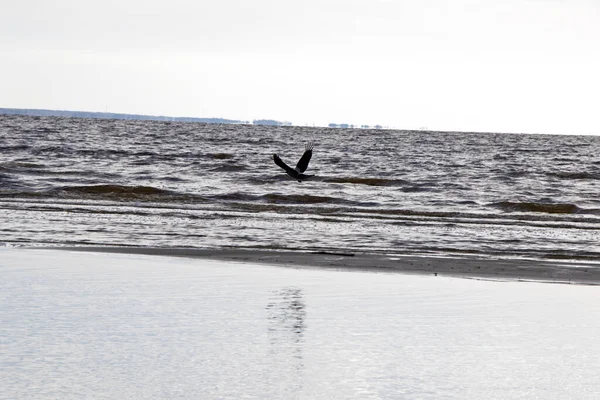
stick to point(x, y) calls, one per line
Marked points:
point(549, 271)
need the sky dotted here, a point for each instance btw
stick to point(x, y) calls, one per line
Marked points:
point(462, 65)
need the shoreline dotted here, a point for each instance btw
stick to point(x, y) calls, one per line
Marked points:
point(561, 272)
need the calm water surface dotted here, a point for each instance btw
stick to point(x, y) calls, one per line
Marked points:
point(106, 326)
point(144, 183)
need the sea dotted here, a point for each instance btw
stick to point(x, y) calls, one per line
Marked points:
point(76, 181)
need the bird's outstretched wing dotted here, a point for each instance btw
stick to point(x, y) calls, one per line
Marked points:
point(305, 159)
point(283, 165)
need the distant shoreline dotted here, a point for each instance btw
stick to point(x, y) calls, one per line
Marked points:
point(106, 115)
point(35, 112)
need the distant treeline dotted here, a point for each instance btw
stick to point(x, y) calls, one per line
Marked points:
point(105, 115)
point(347, 126)
point(271, 122)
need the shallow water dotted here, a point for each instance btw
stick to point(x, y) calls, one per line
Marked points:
point(148, 183)
point(105, 326)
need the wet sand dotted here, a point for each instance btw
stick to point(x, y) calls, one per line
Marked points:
point(565, 272)
point(79, 324)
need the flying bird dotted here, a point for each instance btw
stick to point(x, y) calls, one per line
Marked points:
point(298, 172)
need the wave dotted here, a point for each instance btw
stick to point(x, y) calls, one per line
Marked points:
point(19, 165)
point(45, 129)
point(575, 175)
point(29, 168)
point(53, 149)
point(146, 153)
point(111, 191)
point(16, 147)
point(221, 156)
point(514, 173)
point(276, 198)
point(7, 182)
point(228, 168)
point(104, 153)
point(153, 194)
point(234, 196)
point(107, 192)
point(367, 181)
point(300, 199)
point(550, 208)
point(418, 188)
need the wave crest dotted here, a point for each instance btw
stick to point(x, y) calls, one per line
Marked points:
point(276, 198)
point(19, 165)
point(575, 175)
point(221, 156)
point(550, 208)
point(367, 181)
point(299, 198)
point(112, 192)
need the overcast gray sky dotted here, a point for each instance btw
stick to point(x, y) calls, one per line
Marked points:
point(475, 65)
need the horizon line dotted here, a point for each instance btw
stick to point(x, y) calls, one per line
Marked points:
point(228, 121)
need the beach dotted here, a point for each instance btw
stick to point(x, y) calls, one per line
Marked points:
point(163, 259)
point(300, 200)
point(116, 323)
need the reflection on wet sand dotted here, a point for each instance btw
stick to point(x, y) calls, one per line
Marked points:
point(286, 314)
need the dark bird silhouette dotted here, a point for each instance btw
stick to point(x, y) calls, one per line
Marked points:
point(297, 173)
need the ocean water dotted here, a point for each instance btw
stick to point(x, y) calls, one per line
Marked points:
point(143, 183)
point(106, 326)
